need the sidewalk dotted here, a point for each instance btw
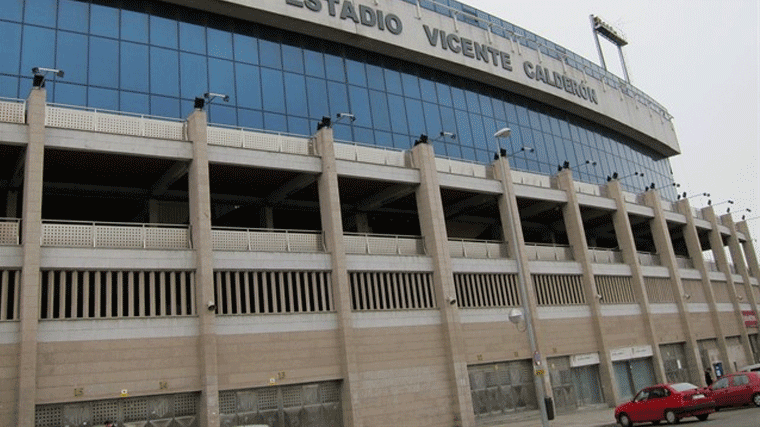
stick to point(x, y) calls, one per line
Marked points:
point(582, 418)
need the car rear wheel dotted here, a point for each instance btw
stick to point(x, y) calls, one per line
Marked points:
point(671, 417)
point(703, 417)
point(624, 420)
point(756, 399)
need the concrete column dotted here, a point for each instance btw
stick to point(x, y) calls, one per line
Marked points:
point(736, 257)
point(332, 226)
point(362, 223)
point(267, 215)
point(577, 237)
point(200, 224)
point(740, 262)
point(433, 226)
point(11, 204)
point(624, 233)
point(695, 252)
point(664, 245)
point(509, 213)
point(751, 259)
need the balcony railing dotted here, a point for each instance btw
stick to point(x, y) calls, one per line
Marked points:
point(10, 231)
point(380, 244)
point(461, 248)
point(257, 139)
point(648, 259)
point(356, 152)
point(81, 234)
point(461, 167)
point(116, 122)
point(684, 262)
point(12, 110)
point(534, 179)
point(711, 265)
point(543, 252)
point(605, 256)
point(266, 240)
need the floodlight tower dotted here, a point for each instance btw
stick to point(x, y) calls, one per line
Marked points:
point(613, 35)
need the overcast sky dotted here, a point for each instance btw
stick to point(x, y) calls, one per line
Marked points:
point(699, 59)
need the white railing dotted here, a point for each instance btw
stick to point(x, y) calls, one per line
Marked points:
point(648, 259)
point(379, 244)
point(711, 265)
point(10, 231)
point(345, 150)
point(667, 206)
point(684, 262)
point(585, 188)
point(121, 123)
point(83, 234)
point(266, 240)
point(534, 179)
point(461, 248)
point(605, 256)
point(12, 110)
point(544, 252)
point(629, 197)
point(257, 139)
point(461, 167)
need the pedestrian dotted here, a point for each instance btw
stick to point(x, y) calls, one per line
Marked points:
point(708, 377)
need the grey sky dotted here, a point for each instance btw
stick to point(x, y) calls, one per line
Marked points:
point(699, 59)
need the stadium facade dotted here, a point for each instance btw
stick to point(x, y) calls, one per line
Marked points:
point(336, 243)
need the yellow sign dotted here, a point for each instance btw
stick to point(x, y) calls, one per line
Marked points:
point(540, 372)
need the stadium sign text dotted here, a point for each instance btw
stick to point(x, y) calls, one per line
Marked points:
point(364, 15)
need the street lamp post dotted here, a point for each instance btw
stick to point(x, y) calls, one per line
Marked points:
point(537, 380)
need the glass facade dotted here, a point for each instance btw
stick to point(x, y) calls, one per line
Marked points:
point(155, 58)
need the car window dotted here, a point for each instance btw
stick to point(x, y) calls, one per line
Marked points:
point(721, 383)
point(657, 393)
point(741, 380)
point(643, 394)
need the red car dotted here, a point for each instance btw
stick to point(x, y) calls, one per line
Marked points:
point(668, 402)
point(738, 389)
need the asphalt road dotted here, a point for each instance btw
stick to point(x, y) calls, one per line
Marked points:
point(744, 417)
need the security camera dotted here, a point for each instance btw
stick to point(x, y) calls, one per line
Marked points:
point(211, 305)
point(452, 301)
point(516, 315)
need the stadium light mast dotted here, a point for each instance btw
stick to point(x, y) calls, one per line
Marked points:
point(614, 36)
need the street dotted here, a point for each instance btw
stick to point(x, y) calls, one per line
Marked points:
point(743, 417)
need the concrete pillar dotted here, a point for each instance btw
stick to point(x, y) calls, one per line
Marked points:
point(751, 259)
point(624, 234)
point(31, 232)
point(509, 213)
point(332, 226)
point(11, 205)
point(740, 261)
point(433, 226)
point(577, 237)
point(664, 245)
point(200, 224)
point(267, 215)
point(362, 223)
point(695, 253)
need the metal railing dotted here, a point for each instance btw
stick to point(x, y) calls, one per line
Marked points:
point(533, 179)
point(461, 167)
point(548, 252)
point(648, 259)
point(10, 231)
point(684, 262)
point(12, 110)
point(257, 139)
point(383, 244)
point(518, 37)
point(363, 153)
point(83, 234)
point(605, 256)
point(586, 188)
point(466, 248)
point(116, 122)
point(266, 240)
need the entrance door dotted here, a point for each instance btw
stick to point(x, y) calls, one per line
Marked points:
point(633, 375)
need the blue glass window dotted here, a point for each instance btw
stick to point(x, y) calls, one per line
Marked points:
point(458, 98)
point(246, 49)
point(72, 15)
point(295, 94)
point(485, 106)
point(164, 75)
point(275, 122)
point(70, 94)
point(248, 85)
point(355, 73)
point(375, 79)
point(338, 98)
point(221, 78)
point(134, 26)
point(163, 32)
point(192, 38)
point(444, 94)
point(220, 113)
point(103, 98)
point(40, 12)
point(11, 10)
point(104, 21)
point(8, 86)
point(273, 93)
point(473, 103)
point(270, 54)
point(316, 97)
point(134, 67)
point(299, 126)
point(164, 107)
point(432, 119)
point(427, 89)
point(398, 114)
point(292, 59)
point(134, 102)
point(360, 106)
point(415, 118)
point(315, 63)
point(194, 78)
point(219, 43)
point(250, 118)
point(71, 56)
point(411, 86)
point(334, 68)
point(379, 105)
point(10, 48)
point(463, 126)
point(37, 47)
point(393, 81)
point(104, 53)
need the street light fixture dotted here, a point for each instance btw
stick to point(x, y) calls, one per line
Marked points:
point(40, 73)
point(537, 379)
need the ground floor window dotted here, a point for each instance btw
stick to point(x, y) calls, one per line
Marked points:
point(633, 375)
point(574, 387)
point(675, 363)
point(501, 388)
